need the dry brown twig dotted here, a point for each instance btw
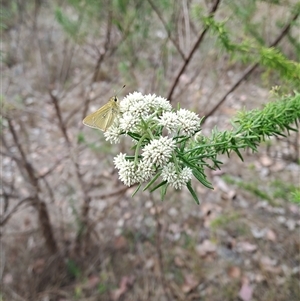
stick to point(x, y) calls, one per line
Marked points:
point(191, 53)
point(167, 29)
point(30, 175)
point(166, 289)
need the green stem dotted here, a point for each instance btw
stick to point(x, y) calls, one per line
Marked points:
point(138, 146)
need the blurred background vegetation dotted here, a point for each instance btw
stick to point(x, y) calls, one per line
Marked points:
point(69, 229)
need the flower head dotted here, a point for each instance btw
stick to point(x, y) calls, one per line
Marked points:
point(158, 103)
point(189, 122)
point(130, 100)
point(170, 121)
point(158, 151)
point(175, 178)
point(128, 122)
point(127, 170)
point(113, 133)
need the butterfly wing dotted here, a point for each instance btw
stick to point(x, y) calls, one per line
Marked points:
point(104, 117)
point(101, 119)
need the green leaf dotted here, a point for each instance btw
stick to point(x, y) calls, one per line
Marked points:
point(163, 191)
point(192, 191)
point(136, 190)
point(152, 181)
point(159, 185)
point(80, 138)
point(201, 178)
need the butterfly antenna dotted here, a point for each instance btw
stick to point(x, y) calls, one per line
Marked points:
point(120, 90)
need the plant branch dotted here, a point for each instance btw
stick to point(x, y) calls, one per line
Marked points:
point(250, 69)
point(167, 29)
point(192, 52)
point(159, 250)
point(38, 204)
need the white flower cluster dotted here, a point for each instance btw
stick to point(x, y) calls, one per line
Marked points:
point(188, 122)
point(138, 110)
point(177, 180)
point(158, 151)
point(113, 133)
point(129, 173)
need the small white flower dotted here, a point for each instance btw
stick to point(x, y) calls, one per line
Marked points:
point(128, 122)
point(139, 109)
point(161, 104)
point(158, 151)
point(130, 100)
point(170, 121)
point(145, 171)
point(113, 134)
point(120, 160)
point(175, 179)
point(149, 99)
point(186, 174)
point(189, 121)
point(127, 170)
point(169, 173)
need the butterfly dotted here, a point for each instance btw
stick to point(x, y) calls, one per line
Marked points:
point(104, 117)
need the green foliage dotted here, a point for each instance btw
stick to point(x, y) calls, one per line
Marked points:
point(71, 27)
point(80, 138)
point(102, 288)
point(272, 58)
point(277, 189)
point(73, 269)
point(223, 220)
point(249, 50)
point(250, 128)
point(285, 191)
point(296, 196)
point(7, 14)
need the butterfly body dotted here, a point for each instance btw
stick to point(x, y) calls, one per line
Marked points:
point(104, 117)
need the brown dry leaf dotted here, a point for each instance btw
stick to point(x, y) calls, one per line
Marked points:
point(245, 246)
point(267, 261)
point(127, 215)
point(227, 192)
point(178, 261)
point(294, 209)
point(125, 284)
point(234, 272)
point(278, 166)
point(266, 161)
point(38, 266)
point(8, 279)
point(174, 228)
point(149, 263)
point(271, 235)
point(120, 242)
point(206, 247)
point(93, 281)
point(269, 265)
point(190, 283)
point(246, 291)
point(221, 184)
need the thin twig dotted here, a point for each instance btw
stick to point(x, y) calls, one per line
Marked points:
point(159, 251)
point(5, 219)
point(39, 205)
point(167, 29)
point(59, 116)
point(192, 52)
